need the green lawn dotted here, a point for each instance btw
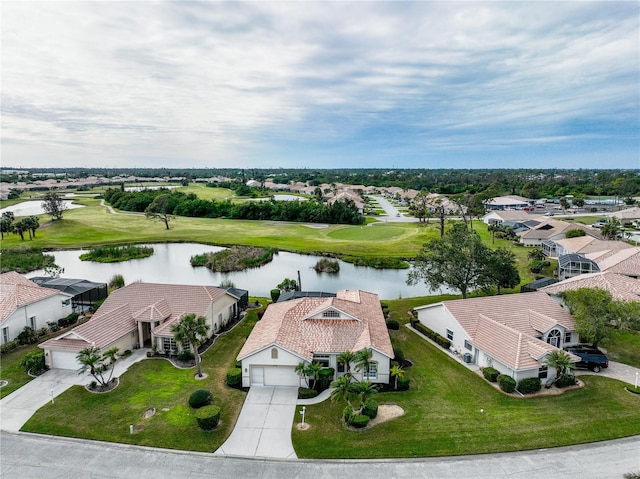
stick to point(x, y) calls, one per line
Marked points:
point(624, 347)
point(207, 193)
point(11, 371)
point(442, 415)
point(152, 383)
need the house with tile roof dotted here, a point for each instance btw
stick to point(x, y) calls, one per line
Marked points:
point(316, 329)
point(23, 303)
point(141, 314)
point(550, 230)
point(621, 287)
point(625, 261)
point(512, 333)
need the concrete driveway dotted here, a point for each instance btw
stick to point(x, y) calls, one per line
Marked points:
point(264, 425)
point(620, 371)
point(20, 405)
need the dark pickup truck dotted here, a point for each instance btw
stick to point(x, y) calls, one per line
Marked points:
point(592, 358)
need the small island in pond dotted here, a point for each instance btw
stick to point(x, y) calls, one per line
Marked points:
point(114, 254)
point(327, 266)
point(236, 258)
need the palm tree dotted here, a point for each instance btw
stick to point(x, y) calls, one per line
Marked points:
point(301, 370)
point(342, 389)
point(312, 370)
point(536, 254)
point(363, 391)
point(191, 330)
point(111, 356)
point(560, 361)
point(346, 358)
point(363, 360)
point(97, 364)
point(396, 372)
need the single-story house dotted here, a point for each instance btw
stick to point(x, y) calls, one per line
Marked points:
point(625, 261)
point(621, 288)
point(141, 314)
point(513, 333)
point(513, 217)
point(550, 230)
point(84, 293)
point(316, 329)
point(627, 215)
point(23, 303)
point(511, 202)
point(570, 265)
point(587, 244)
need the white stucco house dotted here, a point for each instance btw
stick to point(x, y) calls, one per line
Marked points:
point(316, 329)
point(23, 303)
point(512, 333)
point(141, 314)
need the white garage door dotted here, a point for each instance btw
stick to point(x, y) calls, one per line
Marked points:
point(280, 376)
point(64, 360)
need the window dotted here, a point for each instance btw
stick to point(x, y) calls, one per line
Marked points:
point(567, 338)
point(330, 313)
point(5, 335)
point(323, 360)
point(32, 322)
point(372, 373)
point(542, 372)
point(274, 353)
point(467, 345)
point(341, 367)
point(449, 335)
point(66, 302)
point(554, 337)
point(169, 345)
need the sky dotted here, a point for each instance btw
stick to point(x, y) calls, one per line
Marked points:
point(320, 84)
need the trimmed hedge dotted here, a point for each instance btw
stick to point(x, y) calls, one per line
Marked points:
point(431, 334)
point(306, 393)
point(398, 355)
point(370, 408)
point(359, 420)
point(444, 342)
point(208, 417)
point(9, 346)
point(565, 380)
point(404, 384)
point(490, 374)
point(69, 320)
point(200, 398)
point(393, 325)
point(529, 385)
point(234, 377)
point(506, 383)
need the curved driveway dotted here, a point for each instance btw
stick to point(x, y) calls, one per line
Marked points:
point(27, 456)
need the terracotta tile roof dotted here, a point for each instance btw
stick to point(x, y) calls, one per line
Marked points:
point(626, 261)
point(621, 287)
point(588, 244)
point(550, 228)
point(299, 327)
point(17, 291)
point(506, 326)
point(154, 312)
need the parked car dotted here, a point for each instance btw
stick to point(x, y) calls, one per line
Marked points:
point(599, 223)
point(592, 358)
point(528, 208)
point(549, 213)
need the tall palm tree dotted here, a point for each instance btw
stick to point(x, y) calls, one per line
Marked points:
point(312, 370)
point(191, 330)
point(363, 360)
point(301, 371)
point(560, 361)
point(396, 372)
point(342, 389)
point(346, 358)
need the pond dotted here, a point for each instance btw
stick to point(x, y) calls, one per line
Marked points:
point(33, 208)
point(170, 264)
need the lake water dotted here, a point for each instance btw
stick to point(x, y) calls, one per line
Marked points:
point(170, 264)
point(32, 208)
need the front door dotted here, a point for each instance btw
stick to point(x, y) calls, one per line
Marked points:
point(257, 376)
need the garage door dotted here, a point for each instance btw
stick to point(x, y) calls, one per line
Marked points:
point(64, 360)
point(280, 376)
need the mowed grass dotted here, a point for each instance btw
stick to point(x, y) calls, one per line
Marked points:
point(377, 232)
point(152, 383)
point(624, 347)
point(443, 415)
point(207, 193)
point(12, 372)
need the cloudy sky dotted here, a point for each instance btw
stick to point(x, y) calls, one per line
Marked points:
point(321, 84)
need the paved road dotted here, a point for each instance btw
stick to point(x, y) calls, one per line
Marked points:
point(392, 214)
point(28, 456)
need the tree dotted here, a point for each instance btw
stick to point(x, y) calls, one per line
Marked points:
point(396, 372)
point(536, 254)
point(97, 364)
point(313, 370)
point(301, 370)
point(457, 260)
point(288, 284)
point(363, 391)
point(32, 223)
point(560, 361)
point(612, 229)
point(191, 331)
point(52, 270)
point(502, 269)
point(6, 223)
point(161, 209)
point(20, 227)
point(346, 358)
point(576, 233)
point(363, 360)
point(420, 206)
point(53, 205)
point(592, 312)
point(564, 203)
point(578, 202)
point(342, 389)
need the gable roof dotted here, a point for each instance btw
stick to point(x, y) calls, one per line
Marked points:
point(550, 228)
point(17, 291)
point(621, 288)
point(294, 326)
point(626, 261)
point(589, 244)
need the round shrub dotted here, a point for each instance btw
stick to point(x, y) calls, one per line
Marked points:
point(200, 398)
point(565, 380)
point(359, 420)
point(234, 377)
point(370, 408)
point(506, 383)
point(393, 324)
point(185, 355)
point(529, 385)
point(208, 417)
point(275, 294)
point(490, 374)
point(347, 414)
point(403, 384)
point(306, 393)
point(398, 355)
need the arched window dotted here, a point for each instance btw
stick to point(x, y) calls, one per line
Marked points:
point(274, 353)
point(554, 338)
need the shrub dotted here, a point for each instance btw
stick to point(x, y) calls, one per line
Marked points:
point(370, 408)
point(53, 326)
point(565, 380)
point(529, 385)
point(347, 414)
point(403, 384)
point(490, 374)
point(234, 377)
point(398, 355)
point(444, 342)
point(42, 332)
point(127, 353)
point(208, 417)
point(393, 324)
point(275, 294)
point(8, 346)
point(33, 362)
point(306, 393)
point(27, 336)
point(506, 383)
point(200, 398)
point(359, 420)
point(69, 320)
point(325, 376)
point(185, 355)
